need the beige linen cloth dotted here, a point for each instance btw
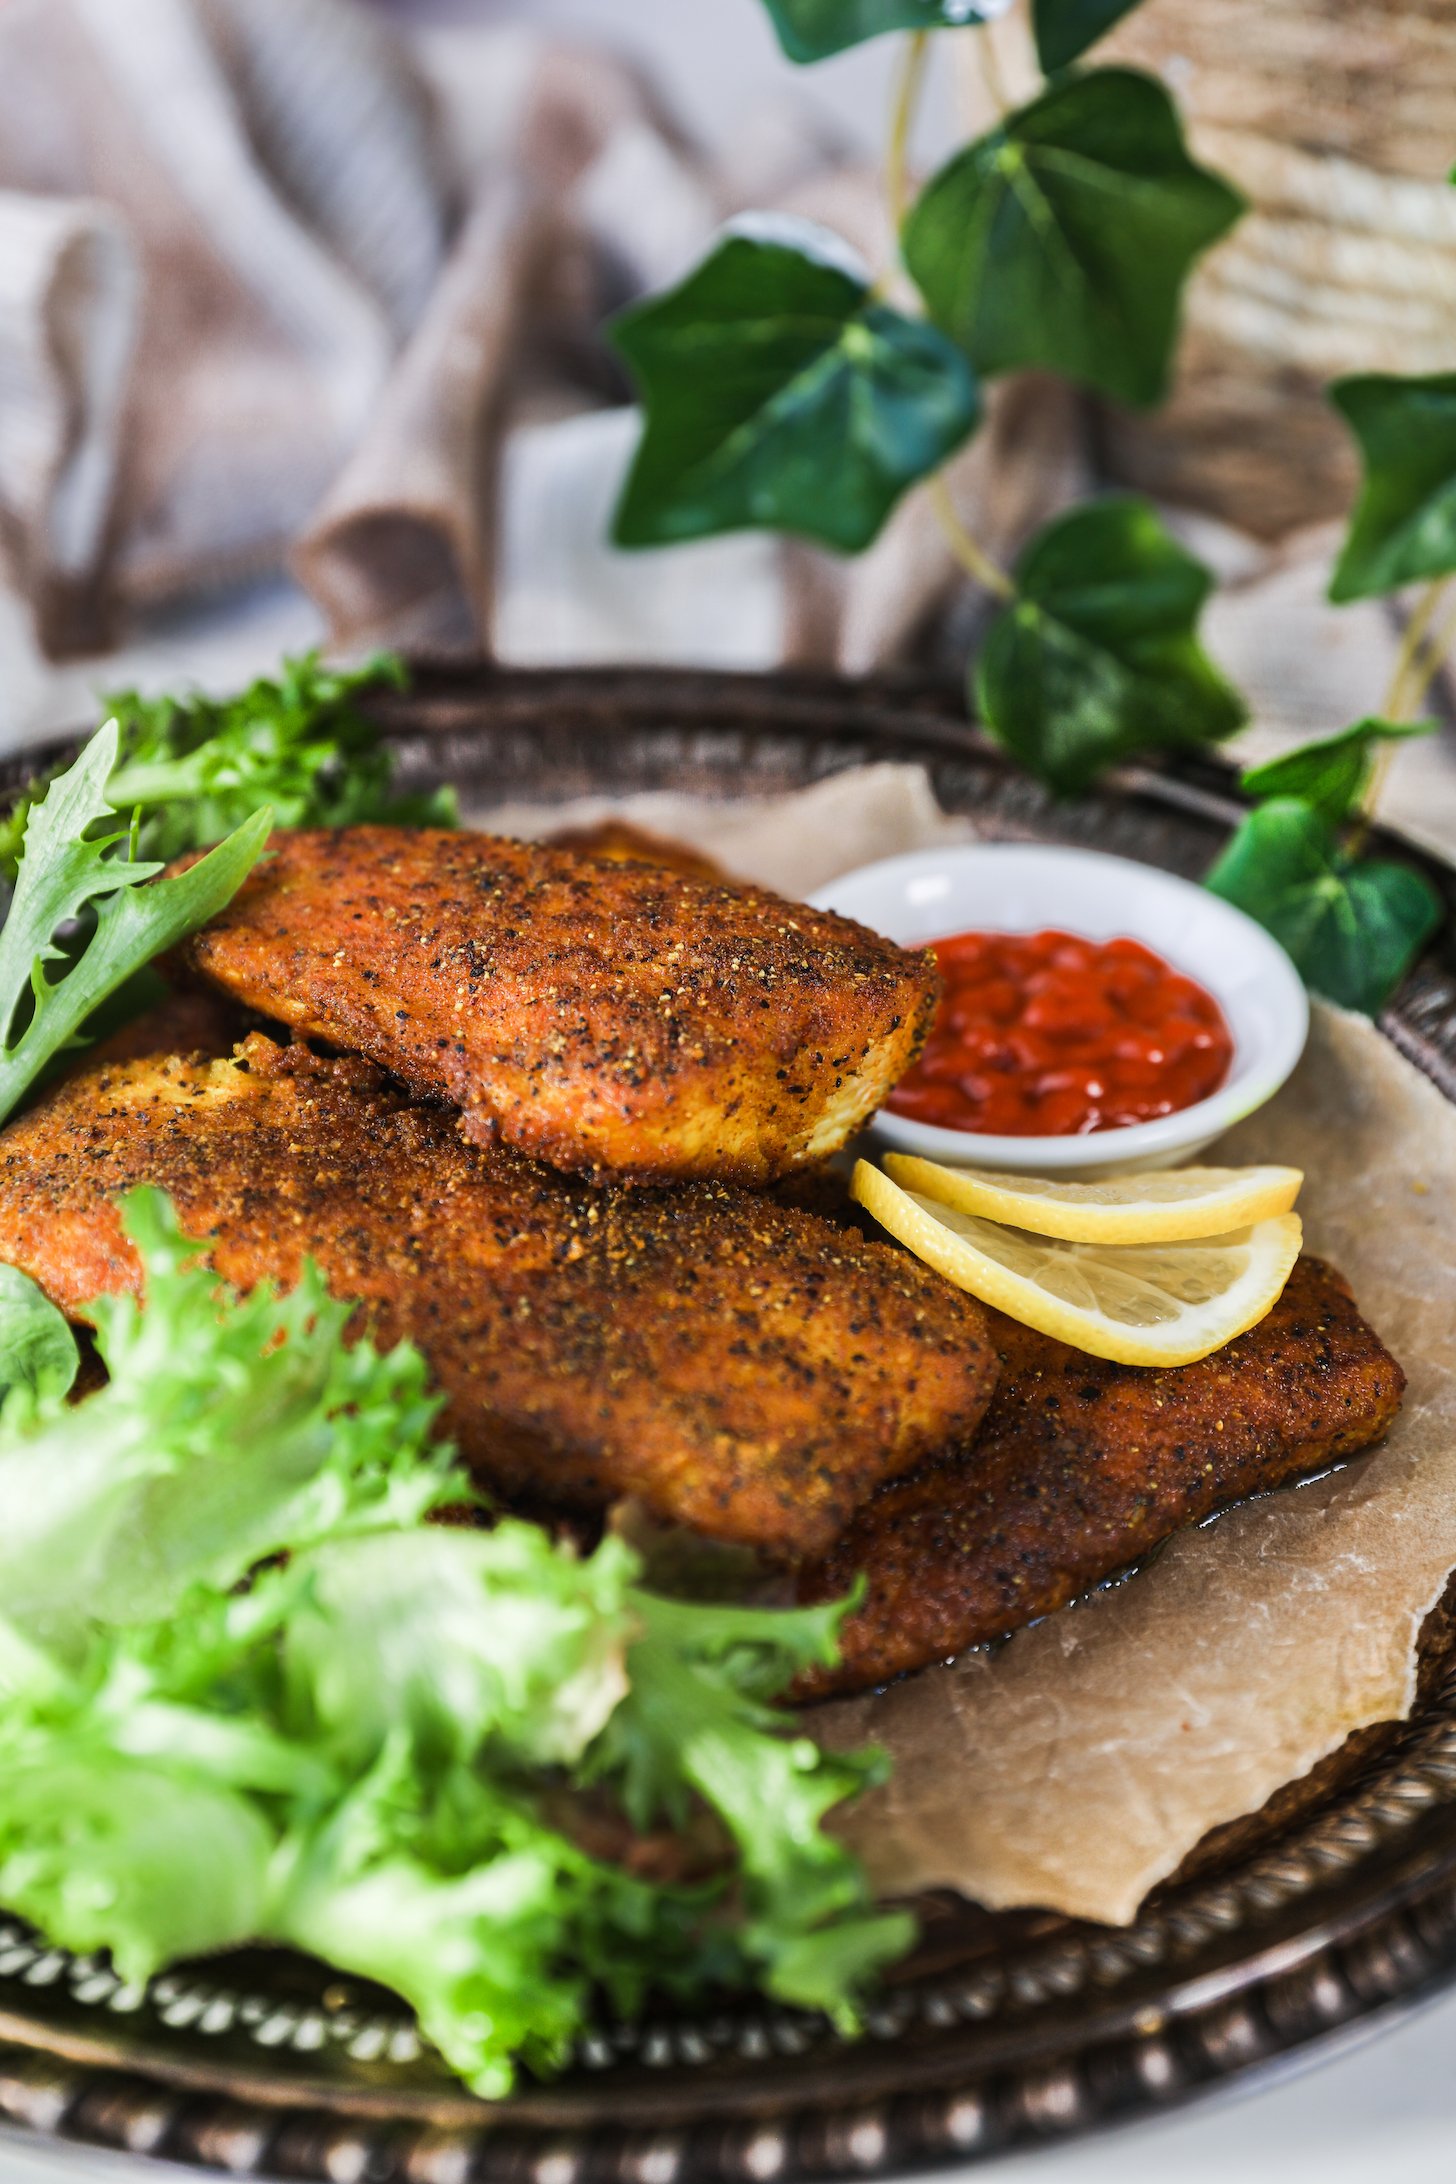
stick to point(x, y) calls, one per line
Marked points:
point(270, 187)
point(273, 283)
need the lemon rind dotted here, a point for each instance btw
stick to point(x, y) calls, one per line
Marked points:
point(971, 1270)
point(1181, 1222)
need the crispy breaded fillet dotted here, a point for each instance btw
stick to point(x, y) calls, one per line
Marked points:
point(1080, 1467)
point(738, 1366)
point(199, 1022)
point(620, 841)
point(617, 1020)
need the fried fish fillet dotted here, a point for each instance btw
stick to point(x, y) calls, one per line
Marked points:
point(621, 1021)
point(620, 841)
point(1081, 1466)
point(736, 1365)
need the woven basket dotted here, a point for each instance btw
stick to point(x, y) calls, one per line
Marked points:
point(1338, 122)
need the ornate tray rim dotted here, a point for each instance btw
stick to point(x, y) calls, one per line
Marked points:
point(1345, 1918)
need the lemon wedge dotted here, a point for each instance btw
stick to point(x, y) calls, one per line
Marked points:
point(1137, 1304)
point(1168, 1206)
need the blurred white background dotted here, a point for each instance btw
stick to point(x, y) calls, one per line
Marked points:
point(718, 60)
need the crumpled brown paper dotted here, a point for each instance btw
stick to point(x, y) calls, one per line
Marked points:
point(1077, 1766)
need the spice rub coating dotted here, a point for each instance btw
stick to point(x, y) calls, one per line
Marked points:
point(740, 1366)
point(619, 1020)
point(1082, 1466)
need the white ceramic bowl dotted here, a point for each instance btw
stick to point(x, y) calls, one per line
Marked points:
point(997, 887)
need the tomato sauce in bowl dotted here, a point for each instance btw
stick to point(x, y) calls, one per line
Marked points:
point(1050, 1035)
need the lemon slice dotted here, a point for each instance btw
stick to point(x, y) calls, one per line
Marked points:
point(1138, 1304)
point(1166, 1207)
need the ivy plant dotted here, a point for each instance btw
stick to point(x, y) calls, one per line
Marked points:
point(810, 30)
point(1332, 775)
point(781, 394)
point(1064, 29)
point(1352, 924)
point(1404, 525)
point(1096, 655)
point(785, 388)
point(1062, 238)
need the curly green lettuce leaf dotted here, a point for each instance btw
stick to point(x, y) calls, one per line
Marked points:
point(489, 1922)
point(229, 1429)
point(1097, 658)
point(1403, 529)
point(100, 1851)
point(471, 1644)
point(79, 909)
point(1352, 925)
point(1061, 240)
point(194, 768)
point(464, 1641)
point(33, 1681)
point(1331, 775)
point(696, 1722)
point(251, 1692)
point(781, 395)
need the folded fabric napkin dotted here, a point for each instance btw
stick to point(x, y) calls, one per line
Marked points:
point(275, 283)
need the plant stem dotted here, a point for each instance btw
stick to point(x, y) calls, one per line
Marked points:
point(972, 556)
point(1408, 680)
point(1397, 701)
point(991, 71)
point(1424, 670)
point(902, 116)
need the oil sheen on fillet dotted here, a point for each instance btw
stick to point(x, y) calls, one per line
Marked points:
point(1081, 1467)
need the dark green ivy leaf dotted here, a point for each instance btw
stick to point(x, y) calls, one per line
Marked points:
point(1098, 657)
point(780, 396)
point(1061, 240)
point(1330, 775)
point(810, 30)
point(1404, 525)
point(1353, 926)
point(1064, 29)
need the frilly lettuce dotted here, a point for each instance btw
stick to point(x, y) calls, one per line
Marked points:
point(250, 1691)
point(101, 1852)
point(40, 1359)
point(469, 1643)
point(193, 768)
point(229, 1429)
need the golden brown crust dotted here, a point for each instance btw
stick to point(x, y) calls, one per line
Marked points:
point(618, 1020)
point(1080, 1467)
point(199, 1022)
point(739, 1366)
point(621, 841)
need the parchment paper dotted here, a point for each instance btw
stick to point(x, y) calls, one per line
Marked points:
point(1077, 1766)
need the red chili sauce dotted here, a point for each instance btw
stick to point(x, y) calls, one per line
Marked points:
point(1048, 1035)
